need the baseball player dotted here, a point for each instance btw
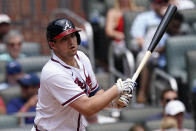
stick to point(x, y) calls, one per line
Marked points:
point(68, 88)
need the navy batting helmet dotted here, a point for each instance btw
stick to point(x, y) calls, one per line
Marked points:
point(60, 28)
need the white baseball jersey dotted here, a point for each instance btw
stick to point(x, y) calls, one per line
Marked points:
point(60, 85)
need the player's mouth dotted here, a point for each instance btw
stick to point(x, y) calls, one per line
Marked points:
point(73, 47)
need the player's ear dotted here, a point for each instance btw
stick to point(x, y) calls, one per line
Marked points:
point(51, 44)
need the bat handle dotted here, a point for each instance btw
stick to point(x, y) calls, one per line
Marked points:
point(142, 64)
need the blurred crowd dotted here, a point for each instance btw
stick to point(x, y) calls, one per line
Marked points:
point(110, 30)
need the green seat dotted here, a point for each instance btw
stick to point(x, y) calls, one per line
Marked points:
point(194, 27)
point(119, 126)
point(2, 77)
point(128, 21)
point(28, 48)
point(10, 93)
point(31, 48)
point(2, 67)
point(153, 125)
point(7, 121)
point(189, 15)
point(103, 80)
point(2, 48)
point(176, 48)
point(143, 3)
point(109, 4)
point(94, 7)
point(33, 63)
point(139, 115)
point(191, 68)
point(175, 74)
point(23, 128)
point(194, 1)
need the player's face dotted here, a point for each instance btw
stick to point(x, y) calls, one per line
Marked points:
point(66, 46)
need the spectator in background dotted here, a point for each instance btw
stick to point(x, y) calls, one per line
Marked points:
point(168, 124)
point(158, 58)
point(146, 20)
point(13, 41)
point(183, 4)
point(13, 73)
point(27, 102)
point(2, 106)
point(176, 110)
point(4, 25)
point(137, 128)
point(166, 96)
point(115, 27)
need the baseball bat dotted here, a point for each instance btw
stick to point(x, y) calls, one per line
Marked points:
point(156, 38)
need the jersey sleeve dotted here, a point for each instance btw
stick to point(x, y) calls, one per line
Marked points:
point(64, 89)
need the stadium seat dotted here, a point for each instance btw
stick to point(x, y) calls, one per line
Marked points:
point(31, 48)
point(191, 68)
point(175, 75)
point(28, 48)
point(189, 15)
point(119, 126)
point(7, 121)
point(2, 77)
point(94, 9)
point(2, 70)
point(33, 64)
point(103, 80)
point(194, 1)
point(23, 128)
point(2, 66)
point(176, 48)
point(109, 4)
point(127, 58)
point(128, 21)
point(9, 93)
point(194, 27)
point(143, 3)
point(153, 125)
point(2, 48)
point(138, 115)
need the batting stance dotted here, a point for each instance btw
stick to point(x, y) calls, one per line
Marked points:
point(68, 88)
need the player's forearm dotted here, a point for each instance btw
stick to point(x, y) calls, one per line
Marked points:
point(99, 102)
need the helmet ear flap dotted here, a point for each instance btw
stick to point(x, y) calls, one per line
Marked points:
point(78, 38)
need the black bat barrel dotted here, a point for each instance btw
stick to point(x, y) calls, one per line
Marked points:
point(162, 27)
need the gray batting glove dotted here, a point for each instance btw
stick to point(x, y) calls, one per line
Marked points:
point(122, 101)
point(125, 87)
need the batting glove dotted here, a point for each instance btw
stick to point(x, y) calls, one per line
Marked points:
point(122, 101)
point(125, 87)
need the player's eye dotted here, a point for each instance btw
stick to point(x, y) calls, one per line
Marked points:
point(73, 35)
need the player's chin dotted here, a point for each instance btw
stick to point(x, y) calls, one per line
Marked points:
point(73, 52)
